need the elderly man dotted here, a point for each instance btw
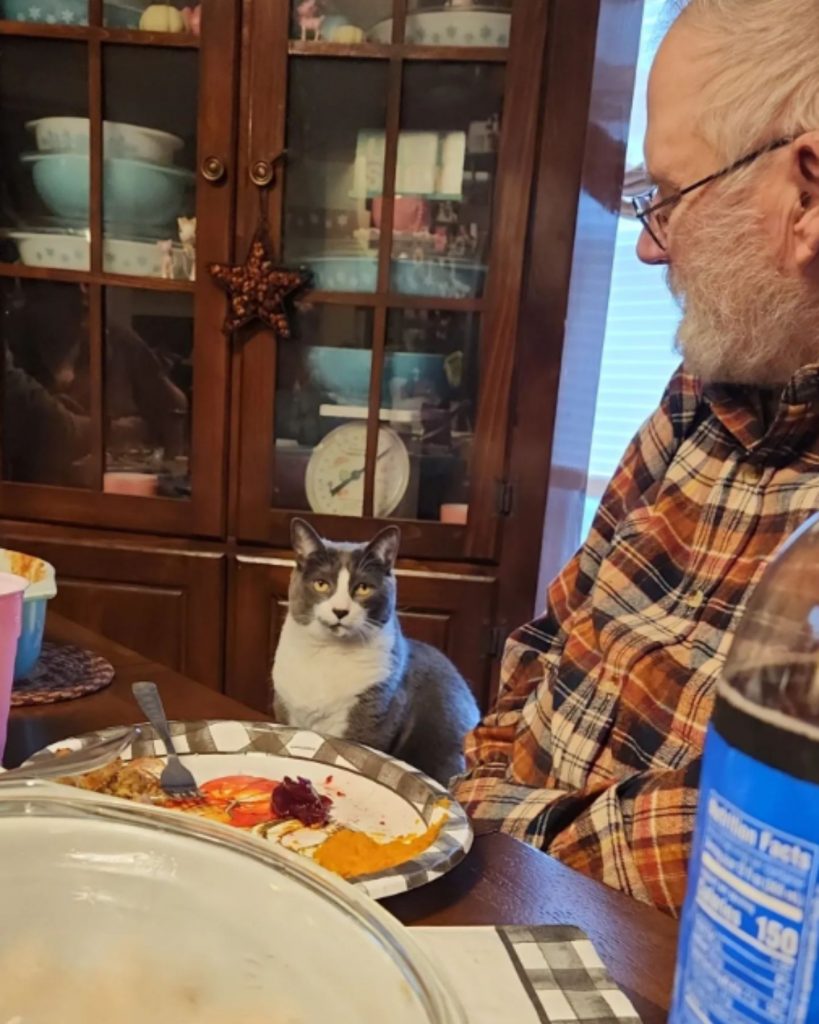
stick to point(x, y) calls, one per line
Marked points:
point(593, 750)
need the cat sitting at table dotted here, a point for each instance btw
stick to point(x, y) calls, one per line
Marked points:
point(343, 667)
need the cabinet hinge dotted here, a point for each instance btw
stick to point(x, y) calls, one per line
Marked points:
point(505, 497)
point(494, 642)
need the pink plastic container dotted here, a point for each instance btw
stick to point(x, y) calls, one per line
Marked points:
point(12, 589)
point(141, 485)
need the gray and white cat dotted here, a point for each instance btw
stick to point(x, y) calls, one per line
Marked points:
point(343, 666)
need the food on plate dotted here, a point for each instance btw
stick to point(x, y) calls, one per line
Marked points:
point(292, 812)
point(133, 780)
point(298, 799)
point(351, 854)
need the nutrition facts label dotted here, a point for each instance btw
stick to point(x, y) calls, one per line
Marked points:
point(754, 923)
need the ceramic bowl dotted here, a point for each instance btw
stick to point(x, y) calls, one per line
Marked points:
point(72, 12)
point(123, 141)
point(99, 885)
point(135, 193)
point(444, 279)
point(71, 252)
point(344, 273)
point(41, 588)
point(344, 373)
point(450, 26)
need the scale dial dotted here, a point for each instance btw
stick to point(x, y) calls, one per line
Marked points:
point(335, 472)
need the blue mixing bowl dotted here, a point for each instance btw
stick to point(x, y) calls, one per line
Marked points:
point(344, 374)
point(134, 193)
point(442, 279)
point(41, 589)
point(69, 12)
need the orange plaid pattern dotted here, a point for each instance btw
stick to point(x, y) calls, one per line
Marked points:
point(593, 749)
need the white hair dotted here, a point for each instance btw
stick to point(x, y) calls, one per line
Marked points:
point(766, 85)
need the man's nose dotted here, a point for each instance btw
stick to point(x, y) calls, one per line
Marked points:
point(341, 613)
point(648, 251)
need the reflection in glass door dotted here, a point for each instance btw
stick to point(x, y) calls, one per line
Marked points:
point(44, 162)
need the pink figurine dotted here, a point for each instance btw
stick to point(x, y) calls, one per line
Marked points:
point(193, 18)
point(310, 18)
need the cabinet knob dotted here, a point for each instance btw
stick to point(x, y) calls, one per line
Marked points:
point(261, 173)
point(213, 169)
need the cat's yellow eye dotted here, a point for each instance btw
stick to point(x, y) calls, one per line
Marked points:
point(363, 590)
point(321, 586)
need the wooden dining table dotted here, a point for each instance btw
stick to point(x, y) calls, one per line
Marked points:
point(500, 882)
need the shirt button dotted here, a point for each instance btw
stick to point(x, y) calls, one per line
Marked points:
point(695, 600)
point(751, 473)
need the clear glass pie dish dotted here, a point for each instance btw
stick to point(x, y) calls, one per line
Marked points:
point(90, 886)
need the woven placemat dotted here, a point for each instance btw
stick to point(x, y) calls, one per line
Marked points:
point(63, 672)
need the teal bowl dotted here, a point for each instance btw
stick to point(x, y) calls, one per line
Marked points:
point(69, 12)
point(134, 193)
point(41, 588)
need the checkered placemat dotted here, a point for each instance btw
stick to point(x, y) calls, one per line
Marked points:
point(545, 975)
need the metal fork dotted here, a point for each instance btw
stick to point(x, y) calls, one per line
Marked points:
point(175, 779)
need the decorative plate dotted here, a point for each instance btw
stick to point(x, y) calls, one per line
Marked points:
point(370, 791)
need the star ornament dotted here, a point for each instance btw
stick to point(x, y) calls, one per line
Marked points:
point(258, 289)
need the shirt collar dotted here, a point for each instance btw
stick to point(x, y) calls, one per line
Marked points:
point(771, 430)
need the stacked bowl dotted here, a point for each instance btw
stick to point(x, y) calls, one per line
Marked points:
point(143, 194)
point(117, 13)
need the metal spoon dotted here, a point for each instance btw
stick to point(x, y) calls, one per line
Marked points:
point(78, 762)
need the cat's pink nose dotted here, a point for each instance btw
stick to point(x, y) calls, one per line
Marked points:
point(341, 613)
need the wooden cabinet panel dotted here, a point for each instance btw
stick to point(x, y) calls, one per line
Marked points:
point(451, 611)
point(166, 604)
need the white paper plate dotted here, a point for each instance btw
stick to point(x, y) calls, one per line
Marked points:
point(370, 791)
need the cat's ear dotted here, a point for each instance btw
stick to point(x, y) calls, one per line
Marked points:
point(384, 546)
point(305, 540)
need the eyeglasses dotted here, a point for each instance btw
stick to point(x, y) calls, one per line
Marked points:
point(655, 216)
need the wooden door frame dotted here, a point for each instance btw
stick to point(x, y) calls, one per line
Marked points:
point(205, 513)
point(263, 133)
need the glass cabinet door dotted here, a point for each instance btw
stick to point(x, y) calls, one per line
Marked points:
point(393, 118)
point(114, 361)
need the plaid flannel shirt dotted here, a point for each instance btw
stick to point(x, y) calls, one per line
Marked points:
point(593, 749)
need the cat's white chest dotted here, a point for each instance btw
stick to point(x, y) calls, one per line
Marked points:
point(320, 682)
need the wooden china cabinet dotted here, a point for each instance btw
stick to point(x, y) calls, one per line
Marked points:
point(392, 146)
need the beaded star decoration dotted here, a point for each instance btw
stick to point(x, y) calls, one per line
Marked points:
point(259, 289)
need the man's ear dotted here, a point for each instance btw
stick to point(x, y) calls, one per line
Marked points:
point(806, 223)
point(305, 540)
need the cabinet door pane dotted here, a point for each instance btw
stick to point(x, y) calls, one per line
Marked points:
point(149, 143)
point(47, 435)
point(445, 178)
point(148, 392)
point(322, 387)
point(336, 117)
point(429, 396)
point(458, 23)
point(44, 176)
point(344, 21)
